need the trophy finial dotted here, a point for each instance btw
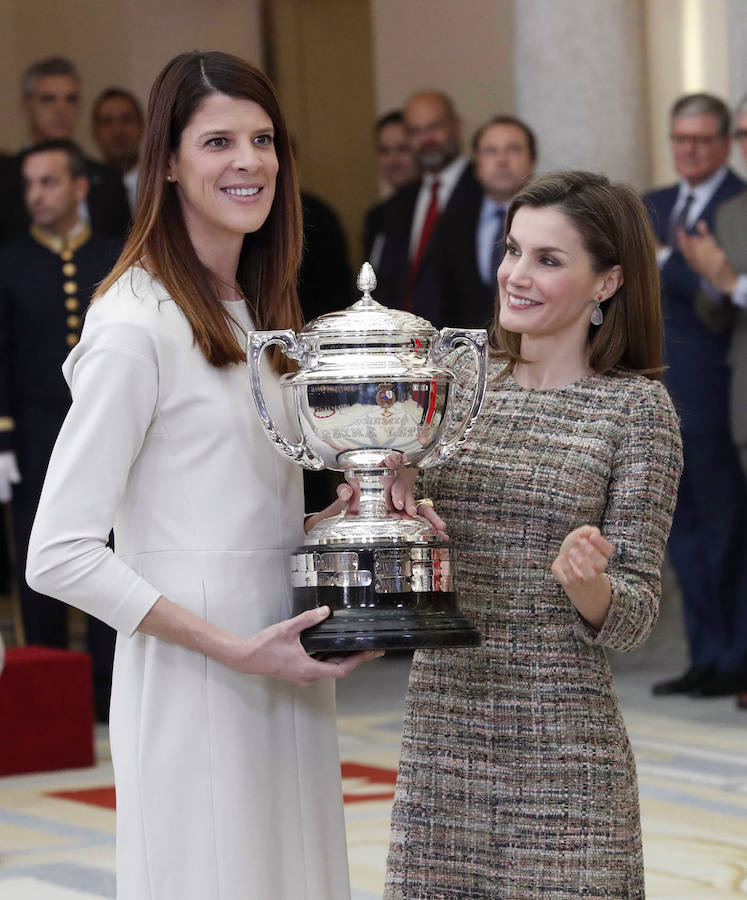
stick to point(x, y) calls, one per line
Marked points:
point(366, 278)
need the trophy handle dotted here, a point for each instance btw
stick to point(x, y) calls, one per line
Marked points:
point(476, 339)
point(257, 343)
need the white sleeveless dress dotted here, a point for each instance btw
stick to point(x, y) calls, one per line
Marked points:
point(228, 785)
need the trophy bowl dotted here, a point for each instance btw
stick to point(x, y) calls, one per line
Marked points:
point(373, 393)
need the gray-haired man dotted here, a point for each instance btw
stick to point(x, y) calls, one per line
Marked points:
point(51, 103)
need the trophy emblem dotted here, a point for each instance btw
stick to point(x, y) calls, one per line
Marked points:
point(373, 382)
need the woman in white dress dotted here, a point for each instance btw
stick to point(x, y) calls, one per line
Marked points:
point(222, 728)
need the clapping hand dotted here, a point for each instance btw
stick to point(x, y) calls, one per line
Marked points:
point(707, 258)
point(582, 557)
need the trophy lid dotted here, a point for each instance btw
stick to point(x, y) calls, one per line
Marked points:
point(367, 318)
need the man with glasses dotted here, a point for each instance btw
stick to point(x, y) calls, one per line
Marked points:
point(709, 531)
point(721, 261)
point(720, 258)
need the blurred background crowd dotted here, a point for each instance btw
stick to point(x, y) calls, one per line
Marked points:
point(415, 123)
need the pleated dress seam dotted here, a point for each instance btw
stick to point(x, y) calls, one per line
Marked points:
point(141, 802)
point(299, 793)
point(210, 757)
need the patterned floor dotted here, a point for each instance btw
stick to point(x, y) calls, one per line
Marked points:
point(57, 829)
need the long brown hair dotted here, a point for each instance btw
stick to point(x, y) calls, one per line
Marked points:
point(615, 230)
point(269, 259)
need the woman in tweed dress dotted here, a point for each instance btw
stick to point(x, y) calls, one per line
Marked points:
point(516, 777)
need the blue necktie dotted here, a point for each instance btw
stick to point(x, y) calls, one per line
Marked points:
point(680, 221)
point(499, 244)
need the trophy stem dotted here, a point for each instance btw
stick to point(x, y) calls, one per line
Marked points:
point(372, 498)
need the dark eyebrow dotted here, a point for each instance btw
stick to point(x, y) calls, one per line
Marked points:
point(551, 250)
point(510, 237)
point(222, 132)
point(217, 132)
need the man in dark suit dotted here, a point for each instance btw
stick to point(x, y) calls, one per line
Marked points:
point(47, 278)
point(325, 284)
point(397, 167)
point(468, 245)
point(412, 215)
point(709, 531)
point(51, 101)
point(720, 258)
point(325, 280)
point(118, 127)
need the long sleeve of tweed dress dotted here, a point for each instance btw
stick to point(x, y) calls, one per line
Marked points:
point(640, 505)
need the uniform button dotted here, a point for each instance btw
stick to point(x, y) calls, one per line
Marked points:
point(69, 269)
point(70, 287)
point(73, 321)
point(72, 340)
point(71, 304)
point(66, 255)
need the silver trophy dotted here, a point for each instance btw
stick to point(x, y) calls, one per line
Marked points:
point(372, 392)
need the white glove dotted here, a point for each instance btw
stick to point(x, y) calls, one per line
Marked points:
point(9, 475)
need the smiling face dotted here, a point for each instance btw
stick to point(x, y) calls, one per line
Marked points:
point(224, 171)
point(698, 147)
point(547, 283)
point(433, 131)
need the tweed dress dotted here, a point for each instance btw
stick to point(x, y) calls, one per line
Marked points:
point(516, 777)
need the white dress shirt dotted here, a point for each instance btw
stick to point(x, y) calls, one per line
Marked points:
point(131, 182)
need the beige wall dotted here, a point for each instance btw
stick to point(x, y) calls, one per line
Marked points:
point(323, 70)
point(122, 42)
point(580, 82)
point(462, 47)
point(687, 43)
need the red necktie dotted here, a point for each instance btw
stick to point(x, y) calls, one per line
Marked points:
point(431, 217)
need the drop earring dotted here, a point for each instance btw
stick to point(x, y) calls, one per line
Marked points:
point(597, 316)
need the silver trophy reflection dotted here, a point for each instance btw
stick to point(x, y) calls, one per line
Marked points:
point(371, 383)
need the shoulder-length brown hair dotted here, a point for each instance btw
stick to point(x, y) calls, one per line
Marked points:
point(269, 259)
point(615, 229)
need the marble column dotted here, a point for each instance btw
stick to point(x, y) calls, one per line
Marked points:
point(736, 28)
point(580, 81)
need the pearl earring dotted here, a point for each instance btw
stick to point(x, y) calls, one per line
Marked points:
point(597, 316)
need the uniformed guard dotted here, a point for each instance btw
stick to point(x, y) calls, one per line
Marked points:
point(46, 281)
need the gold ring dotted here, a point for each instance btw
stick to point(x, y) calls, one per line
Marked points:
point(426, 501)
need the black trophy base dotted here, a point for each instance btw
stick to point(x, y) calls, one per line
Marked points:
point(364, 618)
